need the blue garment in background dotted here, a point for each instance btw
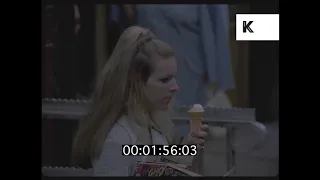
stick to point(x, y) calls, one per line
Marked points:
point(199, 35)
point(117, 16)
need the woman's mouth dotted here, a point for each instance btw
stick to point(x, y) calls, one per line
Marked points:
point(167, 100)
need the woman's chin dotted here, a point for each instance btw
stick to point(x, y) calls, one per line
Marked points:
point(163, 108)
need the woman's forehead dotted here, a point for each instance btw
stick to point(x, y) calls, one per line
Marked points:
point(165, 66)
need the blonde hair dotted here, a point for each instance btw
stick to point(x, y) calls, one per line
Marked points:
point(120, 91)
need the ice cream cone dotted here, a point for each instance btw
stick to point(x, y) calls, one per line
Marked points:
point(196, 116)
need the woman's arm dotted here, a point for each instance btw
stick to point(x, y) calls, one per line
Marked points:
point(195, 163)
point(180, 140)
point(111, 161)
point(185, 160)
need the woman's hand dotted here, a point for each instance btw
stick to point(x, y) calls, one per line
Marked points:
point(198, 138)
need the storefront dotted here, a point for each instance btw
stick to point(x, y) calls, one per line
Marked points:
point(77, 41)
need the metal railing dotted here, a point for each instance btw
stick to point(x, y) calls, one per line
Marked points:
point(230, 118)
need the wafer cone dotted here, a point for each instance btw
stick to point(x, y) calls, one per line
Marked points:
point(195, 120)
point(196, 115)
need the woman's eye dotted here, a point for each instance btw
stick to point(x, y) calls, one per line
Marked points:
point(165, 80)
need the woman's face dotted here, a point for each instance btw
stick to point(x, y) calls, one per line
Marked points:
point(162, 85)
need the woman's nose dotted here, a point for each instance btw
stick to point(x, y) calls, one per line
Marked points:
point(174, 87)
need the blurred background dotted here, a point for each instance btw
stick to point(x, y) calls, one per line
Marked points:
point(77, 40)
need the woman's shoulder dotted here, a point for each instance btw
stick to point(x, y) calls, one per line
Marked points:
point(111, 162)
point(121, 132)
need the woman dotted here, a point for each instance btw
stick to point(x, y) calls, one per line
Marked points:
point(129, 105)
point(199, 36)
